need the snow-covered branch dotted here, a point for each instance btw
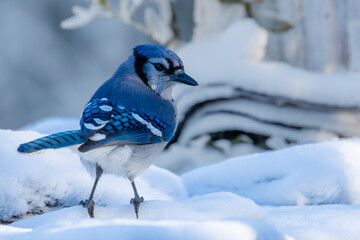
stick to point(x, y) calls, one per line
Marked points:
point(157, 23)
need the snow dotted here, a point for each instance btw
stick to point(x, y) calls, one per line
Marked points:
point(323, 173)
point(157, 22)
point(341, 122)
point(241, 47)
point(181, 158)
point(73, 223)
point(82, 16)
point(240, 91)
point(67, 181)
point(328, 222)
point(57, 178)
point(303, 192)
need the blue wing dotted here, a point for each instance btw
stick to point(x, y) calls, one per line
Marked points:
point(95, 116)
point(103, 124)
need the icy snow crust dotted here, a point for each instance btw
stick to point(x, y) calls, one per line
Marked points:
point(221, 201)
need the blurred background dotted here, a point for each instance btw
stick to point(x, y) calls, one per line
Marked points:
point(272, 73)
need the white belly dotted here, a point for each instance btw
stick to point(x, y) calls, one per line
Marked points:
point(127, 161)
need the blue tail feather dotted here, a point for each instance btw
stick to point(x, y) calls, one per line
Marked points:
point(57, 140)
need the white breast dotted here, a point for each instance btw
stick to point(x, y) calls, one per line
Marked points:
point(126, 161)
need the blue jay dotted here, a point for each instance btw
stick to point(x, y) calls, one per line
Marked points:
point(129, 119)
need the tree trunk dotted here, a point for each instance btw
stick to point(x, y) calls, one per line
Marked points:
point(325, 36)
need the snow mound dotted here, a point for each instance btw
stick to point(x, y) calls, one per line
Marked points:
point(32, 184)
point(320, 173)
point(212, 202)
point(210, 207)
point(212, 216)
point(84, 228)
point(325, 222)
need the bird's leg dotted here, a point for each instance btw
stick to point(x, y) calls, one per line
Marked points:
point(89, 203)
point(136, 200)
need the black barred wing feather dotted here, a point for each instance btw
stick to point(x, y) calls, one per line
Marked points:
point(164, 128)
point(123, 126)
point(95, 116)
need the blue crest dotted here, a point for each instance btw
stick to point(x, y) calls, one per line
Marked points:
point(156, 51)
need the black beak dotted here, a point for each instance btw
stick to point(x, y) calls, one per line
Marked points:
point(185, 79)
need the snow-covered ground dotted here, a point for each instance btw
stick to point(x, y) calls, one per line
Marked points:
point(304, 192)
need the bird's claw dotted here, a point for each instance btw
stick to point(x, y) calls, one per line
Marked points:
point(90, 206)
point(136, 202)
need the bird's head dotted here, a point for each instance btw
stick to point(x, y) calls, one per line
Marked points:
point(160, 69)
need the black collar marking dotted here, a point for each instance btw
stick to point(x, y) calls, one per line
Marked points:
point(140, 61)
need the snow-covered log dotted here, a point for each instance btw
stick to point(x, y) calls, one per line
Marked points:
point(264, 118)
point(240, 93)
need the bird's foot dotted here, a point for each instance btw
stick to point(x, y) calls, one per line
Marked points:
point(89, 205)
point(136, 202)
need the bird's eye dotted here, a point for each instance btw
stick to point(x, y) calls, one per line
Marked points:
point(159, 66)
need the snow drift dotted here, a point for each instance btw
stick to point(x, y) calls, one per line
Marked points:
point(214, 202)
point(322, 173)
